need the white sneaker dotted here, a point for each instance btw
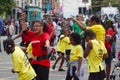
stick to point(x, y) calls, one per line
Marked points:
point(118, 68)
point(113, 59)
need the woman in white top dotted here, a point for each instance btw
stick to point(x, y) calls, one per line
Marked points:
point(11, 30)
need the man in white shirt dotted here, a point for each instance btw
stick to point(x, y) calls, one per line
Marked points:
point(11, 30)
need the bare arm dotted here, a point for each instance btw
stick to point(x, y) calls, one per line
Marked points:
point(105, 56)
point(47, 44)
point(79, 64)
point(24, 49)
point(17, 36)
point(88, 48)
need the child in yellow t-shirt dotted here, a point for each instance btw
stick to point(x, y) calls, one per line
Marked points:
point(61, 47)
point(20, 61)
point(75, 71)
point(95, 52)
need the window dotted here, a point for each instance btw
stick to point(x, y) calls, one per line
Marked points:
point(35, 2)
point(84, 1)
point(17, 3)
point(31, 1)
point(39, 4)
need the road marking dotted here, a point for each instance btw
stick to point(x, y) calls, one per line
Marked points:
point(5, 62)
point(7, 78)
point(5, 68)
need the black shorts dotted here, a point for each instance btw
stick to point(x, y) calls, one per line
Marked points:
point(60, 53)
point(108, 60)
point(97, 75)
point(41, 71)
point(67, 52)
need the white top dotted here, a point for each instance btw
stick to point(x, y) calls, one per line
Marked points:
point(11, 29)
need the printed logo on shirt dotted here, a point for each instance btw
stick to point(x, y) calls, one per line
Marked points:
point(36, 41)
point(26, 62)
point(100, 53)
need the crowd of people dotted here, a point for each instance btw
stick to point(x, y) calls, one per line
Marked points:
point(73, 40)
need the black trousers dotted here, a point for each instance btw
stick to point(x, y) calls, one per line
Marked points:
point(74, 77)
point(41, 71)
point(97, 76)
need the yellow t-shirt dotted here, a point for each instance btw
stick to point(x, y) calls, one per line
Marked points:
point(63, 44)
point(95, 57)
point(67, 43)
point(29, 50)
point(22, 65)
point(76, 53)
point(99, 31)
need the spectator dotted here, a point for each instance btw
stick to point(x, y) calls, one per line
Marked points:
point(1, 25)
point(11, 30)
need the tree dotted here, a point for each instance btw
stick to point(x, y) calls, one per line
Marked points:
point(6, 6)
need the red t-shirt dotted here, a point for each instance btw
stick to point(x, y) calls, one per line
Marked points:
point(27, 36)
point(109, 32)
point(50, 28)
point(51, 32)
point(38, 43)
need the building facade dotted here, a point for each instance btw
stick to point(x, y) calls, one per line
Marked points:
point(57, 7)
point(23, 3)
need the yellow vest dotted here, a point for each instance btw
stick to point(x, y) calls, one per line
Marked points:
point(95, 57)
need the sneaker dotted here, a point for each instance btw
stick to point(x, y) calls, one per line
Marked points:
point(118, 68)
point(113, 60)
point(53, 67)
point(61, 69)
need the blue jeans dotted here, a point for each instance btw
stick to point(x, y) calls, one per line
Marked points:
point(114, 49)
point(9, 36)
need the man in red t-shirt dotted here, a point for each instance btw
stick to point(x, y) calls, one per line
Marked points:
point(108, 38)
point(51, 31)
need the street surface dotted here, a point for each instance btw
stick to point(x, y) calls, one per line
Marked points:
point(6, 66)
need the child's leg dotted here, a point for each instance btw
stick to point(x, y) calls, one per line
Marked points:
point(61, 63)
point(59, 57)
point(68, 76)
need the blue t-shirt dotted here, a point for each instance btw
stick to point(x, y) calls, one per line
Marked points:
point(1, 25)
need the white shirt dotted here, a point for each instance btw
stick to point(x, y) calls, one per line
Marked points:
point(11, 29)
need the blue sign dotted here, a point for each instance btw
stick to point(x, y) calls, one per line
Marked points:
point(48, 6)
point(1, 25)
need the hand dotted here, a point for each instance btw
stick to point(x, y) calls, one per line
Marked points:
point(12, 71)
point(47, 44)
point(77, 74)
point(24, 26)
point(73, 19)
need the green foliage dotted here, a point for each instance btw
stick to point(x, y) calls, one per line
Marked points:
point(6, 6)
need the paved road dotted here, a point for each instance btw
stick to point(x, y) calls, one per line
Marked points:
point(6, 66)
